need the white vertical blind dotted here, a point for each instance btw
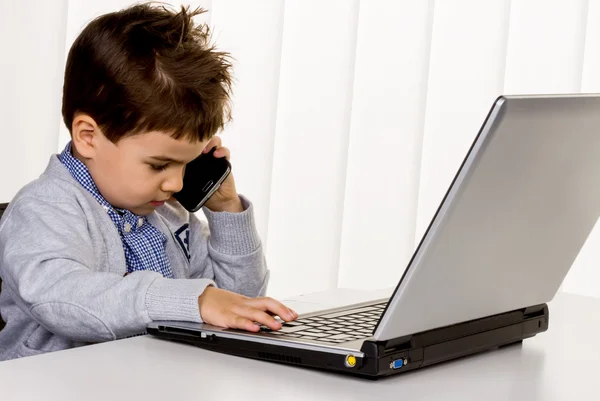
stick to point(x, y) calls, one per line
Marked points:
point(311, 143)
point(590, 80)
point(32, 39)
point(350, 117)
point(466, 73)
point(545, 46)
point(252, 33)
point(384, 153)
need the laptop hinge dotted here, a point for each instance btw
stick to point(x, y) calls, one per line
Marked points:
point(458, 330)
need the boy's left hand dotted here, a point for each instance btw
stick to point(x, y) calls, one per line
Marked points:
point(226, 198)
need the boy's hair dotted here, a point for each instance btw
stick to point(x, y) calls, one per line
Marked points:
point(147, 68)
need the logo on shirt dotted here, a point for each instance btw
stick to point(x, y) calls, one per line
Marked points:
point(182, 235)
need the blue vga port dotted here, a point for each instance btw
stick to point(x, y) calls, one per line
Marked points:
point(398, 363)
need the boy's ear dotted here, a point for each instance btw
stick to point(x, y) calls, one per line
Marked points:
point(85, 135)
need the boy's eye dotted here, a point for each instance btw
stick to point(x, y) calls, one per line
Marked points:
point(160, 167)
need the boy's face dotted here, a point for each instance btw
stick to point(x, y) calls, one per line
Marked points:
point(138, 173)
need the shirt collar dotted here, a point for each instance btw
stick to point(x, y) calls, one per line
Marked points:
point(80, 172)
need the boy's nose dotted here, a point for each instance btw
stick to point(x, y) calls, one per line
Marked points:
point(173, 184)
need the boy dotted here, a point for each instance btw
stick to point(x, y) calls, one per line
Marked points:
point(96, 248)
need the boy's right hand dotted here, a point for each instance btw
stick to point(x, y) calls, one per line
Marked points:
point(234, 311)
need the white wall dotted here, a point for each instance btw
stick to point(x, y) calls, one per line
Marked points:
point(350, 117)
point(32, 39)
point(385, 141)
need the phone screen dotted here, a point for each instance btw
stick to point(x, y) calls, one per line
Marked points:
point(202, 177)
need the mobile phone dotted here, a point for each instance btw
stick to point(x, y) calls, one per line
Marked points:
point(202, 177)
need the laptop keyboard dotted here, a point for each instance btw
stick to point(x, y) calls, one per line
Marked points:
point(339, 327)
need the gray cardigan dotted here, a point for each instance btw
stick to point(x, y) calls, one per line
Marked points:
point(63, 267)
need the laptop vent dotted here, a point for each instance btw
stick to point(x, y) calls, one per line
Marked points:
point(279, 357)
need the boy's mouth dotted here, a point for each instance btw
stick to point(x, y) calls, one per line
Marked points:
point(157, 203)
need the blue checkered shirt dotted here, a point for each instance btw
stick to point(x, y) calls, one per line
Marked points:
point(144, 244)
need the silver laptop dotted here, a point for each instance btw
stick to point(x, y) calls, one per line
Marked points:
point(506, 233)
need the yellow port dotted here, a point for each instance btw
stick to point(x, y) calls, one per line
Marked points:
point(351, 361)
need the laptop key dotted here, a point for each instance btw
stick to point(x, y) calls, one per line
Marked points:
point(344, 337)
point(292, 329)
point(338, 314)
point(311, 334)
point(319, 332)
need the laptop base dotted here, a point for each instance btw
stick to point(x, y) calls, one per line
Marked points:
point(385, 358)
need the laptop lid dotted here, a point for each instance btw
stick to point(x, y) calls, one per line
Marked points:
point(513, 220)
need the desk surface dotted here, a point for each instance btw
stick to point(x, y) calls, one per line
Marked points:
point(560, 364)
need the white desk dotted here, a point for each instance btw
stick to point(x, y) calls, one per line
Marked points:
point(561, 364)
